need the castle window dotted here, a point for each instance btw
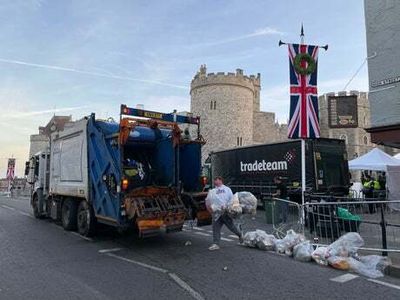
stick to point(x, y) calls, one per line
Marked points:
point(241, 141)
point(237, 141)
point(213, 105)
point(365, 140)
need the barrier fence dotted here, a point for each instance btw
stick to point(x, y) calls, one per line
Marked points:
point(323, 219)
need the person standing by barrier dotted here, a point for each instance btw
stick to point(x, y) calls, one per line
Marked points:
point(368, 191)
point(223, 196)
point(382, 181)
point(281, 193)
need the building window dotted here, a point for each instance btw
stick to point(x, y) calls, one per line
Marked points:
point(365, 140)
point(213, 105)
point(239, 141)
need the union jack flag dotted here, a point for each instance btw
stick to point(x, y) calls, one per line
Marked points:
point(304, 120)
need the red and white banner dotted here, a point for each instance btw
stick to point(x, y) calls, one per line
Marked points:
point(11, 169)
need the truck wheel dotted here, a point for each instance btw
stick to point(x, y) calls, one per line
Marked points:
point(86, 219)
point(69, 214)
point(35, 207)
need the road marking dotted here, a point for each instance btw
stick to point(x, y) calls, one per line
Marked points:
point(385, 284)
point(154, 268)
point(110, 250)
point(227, 240)
point(198, 228)
point(8, 207)
point(202, 233)
point(233, 236)
point(26, 214)
point(185, 286)
point(344, 278)
point(81, 236)
point(207, 234)
point(58, 226)
point(173, 276)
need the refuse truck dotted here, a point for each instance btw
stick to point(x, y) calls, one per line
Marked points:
point(253, 168)
point(140, 172)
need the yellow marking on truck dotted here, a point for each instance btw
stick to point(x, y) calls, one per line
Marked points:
point(153, 115)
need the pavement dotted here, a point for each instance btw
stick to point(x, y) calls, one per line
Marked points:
point(39, 260)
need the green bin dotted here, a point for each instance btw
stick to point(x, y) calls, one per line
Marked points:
point(348, 222)
point(271, 211)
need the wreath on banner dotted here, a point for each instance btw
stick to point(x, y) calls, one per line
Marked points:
point(311, 64)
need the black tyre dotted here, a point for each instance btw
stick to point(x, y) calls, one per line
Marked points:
point(69, 214)
point(86, 219)
point(35, 207)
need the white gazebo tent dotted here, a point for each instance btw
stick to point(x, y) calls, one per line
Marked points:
point(377, 160)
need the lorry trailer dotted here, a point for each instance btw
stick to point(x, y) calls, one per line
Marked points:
point(141, 172)
point(253, 168)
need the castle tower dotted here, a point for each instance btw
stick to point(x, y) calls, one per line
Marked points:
point(257, 89)
point(225, 103)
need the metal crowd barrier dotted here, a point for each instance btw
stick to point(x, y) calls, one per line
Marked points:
point(323, 219)
point(283, 215)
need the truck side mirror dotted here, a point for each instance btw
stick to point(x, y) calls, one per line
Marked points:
point(27, 165)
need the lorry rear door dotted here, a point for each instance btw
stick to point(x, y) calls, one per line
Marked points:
point(330, 164)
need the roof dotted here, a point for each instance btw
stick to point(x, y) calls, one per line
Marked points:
point(375, 160)
point(276, 143)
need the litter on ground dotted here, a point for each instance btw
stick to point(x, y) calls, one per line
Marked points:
point(341, 254)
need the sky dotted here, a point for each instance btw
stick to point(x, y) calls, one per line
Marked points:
point(77, 57)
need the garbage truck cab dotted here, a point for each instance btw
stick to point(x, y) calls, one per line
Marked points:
point(37, 172)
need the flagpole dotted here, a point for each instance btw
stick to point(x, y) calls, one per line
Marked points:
point(291, 134)
point(303, 150)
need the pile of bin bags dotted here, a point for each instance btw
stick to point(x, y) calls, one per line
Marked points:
point(341, 254)
point(242, 203)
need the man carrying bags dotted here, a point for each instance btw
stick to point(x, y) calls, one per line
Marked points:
point(217, 203)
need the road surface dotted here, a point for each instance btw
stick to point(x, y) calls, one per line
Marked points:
point(39, 260)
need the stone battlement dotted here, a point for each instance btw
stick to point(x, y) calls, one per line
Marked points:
point(347, 93)
point(202, 78)
point(362, 97)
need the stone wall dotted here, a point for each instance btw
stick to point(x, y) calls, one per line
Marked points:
point(266, 130)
